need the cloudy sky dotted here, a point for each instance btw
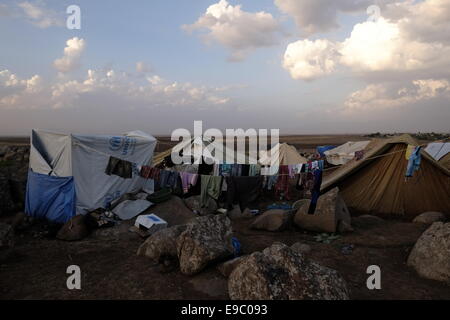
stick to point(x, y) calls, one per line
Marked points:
point(303, 66)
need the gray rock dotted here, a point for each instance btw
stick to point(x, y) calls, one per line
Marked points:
point(174, 211)
point(6, 235)
point(429, 217)
point(193, 203)
point(162, 243)
point(227, 267)
point(302, 248)
point(203, 242)
point(430, 256)
point(330, 212)
point(280, 273)
point(272, 220)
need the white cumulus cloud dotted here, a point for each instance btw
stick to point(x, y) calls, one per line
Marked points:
point(382, 96)
point(314, 16)
point(101, 88)
point(239, 31)
point(72, 52)
point(309, 60)
point(40, 16)
point(395, 44)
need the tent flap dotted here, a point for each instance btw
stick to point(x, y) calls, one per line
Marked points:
point(50, 197)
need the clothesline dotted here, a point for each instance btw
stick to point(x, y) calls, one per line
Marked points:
point(336, 167)
point(283, 174)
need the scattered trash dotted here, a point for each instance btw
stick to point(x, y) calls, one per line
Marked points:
point(129, 209)
point(326, 237)
point(283, 206)
point(347, 249)
point(150, 223)
point(236, 246)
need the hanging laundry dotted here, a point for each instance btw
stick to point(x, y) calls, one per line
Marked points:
point(148, 172)
point(301, 181)
point(315, 192)
point(271, 181)
point(321, 164)
point(210, 187)
point(269, 170)
point(243, 190)
point(145, 172)
point(168, 179)
point(282, 185)
point(409, 150)
point(359, 154)
point(255, 170)
point(119, 167)
point(188, 180)
point(245, 169)
point(413, 162)
point(190, 168)
point(236, 170)
point(163, 177)
point(216, 170)
point(307, 167)
point(225, 169)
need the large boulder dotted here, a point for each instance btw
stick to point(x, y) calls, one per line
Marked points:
point(331, 212)
point(162, 243)
point(429, 217)
point(74, 229)
point(302, 248)
point(225, 268)
point(174, 211)
point(272, 220)
point(203, 242)
point(194, 204)
point(280, 273)
point(431, 253)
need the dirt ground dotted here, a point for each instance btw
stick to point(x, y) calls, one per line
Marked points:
point(35, 268)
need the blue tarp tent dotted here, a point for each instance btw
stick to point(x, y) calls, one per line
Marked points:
point(67, 171)
point(50, 197)
point(321, 149)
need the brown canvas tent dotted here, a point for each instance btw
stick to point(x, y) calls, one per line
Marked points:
point(445, 161)
point(377, 185)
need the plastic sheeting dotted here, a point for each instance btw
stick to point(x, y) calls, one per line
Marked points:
point(85, 157)
point(50, 197)
point(321, 149)
point(438, 149)
point(129, 209)
point(344, 153)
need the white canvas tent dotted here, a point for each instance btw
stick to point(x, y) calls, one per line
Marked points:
point(198, 147)
point(344, 153)
point(78, 162)
point(438, 150)
point(281, 154)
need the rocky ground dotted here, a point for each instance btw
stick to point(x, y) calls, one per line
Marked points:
point(33, 262)
point(35, 267)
